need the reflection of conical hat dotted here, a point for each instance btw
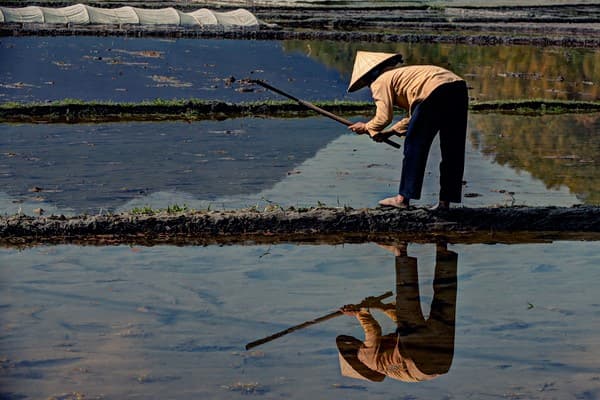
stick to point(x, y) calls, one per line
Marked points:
point(364, 63)
point(350, 365)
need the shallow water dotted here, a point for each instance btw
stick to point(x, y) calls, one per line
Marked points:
point(239, 163)
point(130, 69)
point(83, 168)
point(172, 322)
point(96, 168)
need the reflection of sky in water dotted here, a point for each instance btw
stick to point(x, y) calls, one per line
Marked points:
point(172, 322)
point(236, 163)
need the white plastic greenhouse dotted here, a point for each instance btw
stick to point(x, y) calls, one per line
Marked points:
point(84, 14)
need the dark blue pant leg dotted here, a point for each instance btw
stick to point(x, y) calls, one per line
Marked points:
point(423, 126)
point(445, 111)
point(453, 133)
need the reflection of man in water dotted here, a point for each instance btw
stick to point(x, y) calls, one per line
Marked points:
point(419, 349)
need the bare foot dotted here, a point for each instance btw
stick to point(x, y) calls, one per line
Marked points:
point(397, 201)
point(397, 250)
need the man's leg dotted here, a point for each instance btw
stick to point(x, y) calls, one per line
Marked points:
point(453, 133)
point(423, 127)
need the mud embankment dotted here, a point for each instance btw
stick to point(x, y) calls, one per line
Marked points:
point(168, 110)
point(197, 110)
point(547, 36)
point(317, 224)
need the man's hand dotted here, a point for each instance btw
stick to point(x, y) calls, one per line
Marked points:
point(359, 128)
point(381, 136)
point(350, 309)
point(373, 302)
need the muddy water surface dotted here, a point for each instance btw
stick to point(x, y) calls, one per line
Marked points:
point(171, 322)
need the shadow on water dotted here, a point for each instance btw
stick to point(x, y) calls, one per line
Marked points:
point(88, 167)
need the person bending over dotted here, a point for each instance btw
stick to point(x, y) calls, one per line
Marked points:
point(436, 100)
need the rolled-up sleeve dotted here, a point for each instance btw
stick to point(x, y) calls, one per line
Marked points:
point(401, 127)
point(371, 328)
point(383, 95)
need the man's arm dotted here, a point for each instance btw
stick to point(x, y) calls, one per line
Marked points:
point(383, 96)
point(369, 324)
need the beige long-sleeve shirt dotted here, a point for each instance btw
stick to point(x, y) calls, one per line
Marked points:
point(404, 87)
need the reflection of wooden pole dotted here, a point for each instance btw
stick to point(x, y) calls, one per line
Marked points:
point(315, 108)
point(309, 323)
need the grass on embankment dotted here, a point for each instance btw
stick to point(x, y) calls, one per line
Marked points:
point(75, 111)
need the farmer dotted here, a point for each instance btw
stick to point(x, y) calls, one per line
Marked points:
point(436, 100)
point(419, 349)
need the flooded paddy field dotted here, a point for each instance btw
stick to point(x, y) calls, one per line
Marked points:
point(173, 322)
point(94, 168)
point(238, 163)
point(519, 320)
point(132, 70)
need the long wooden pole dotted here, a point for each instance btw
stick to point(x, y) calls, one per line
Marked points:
point(315, 108)
point(305, 324)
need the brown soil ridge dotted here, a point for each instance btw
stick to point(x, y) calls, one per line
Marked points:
point(453, 34)
point(196, 110)
point(252, 224)
point(172, 110)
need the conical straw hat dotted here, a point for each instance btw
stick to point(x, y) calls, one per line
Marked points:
point(364, 63)
point(350, 365)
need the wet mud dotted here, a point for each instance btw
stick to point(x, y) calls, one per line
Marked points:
point(315, 224)
point(184, 110)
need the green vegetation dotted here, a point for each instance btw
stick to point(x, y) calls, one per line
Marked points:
point(172, 209)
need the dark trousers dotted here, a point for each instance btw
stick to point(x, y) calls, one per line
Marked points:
point(444, 111)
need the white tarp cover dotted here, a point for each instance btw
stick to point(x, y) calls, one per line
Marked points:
point(163, 16)
point(25, 14)
point(121, 15)
point(76, 14)
point(240, 17)
point(84, 14)
point(204, 17)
